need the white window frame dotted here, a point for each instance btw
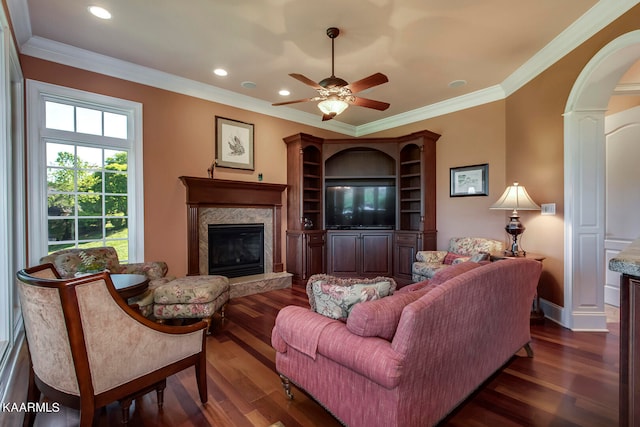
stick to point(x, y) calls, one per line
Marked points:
point(12, 200)
point(39, 92)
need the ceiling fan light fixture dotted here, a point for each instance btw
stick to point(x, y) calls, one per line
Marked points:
point(332, 106)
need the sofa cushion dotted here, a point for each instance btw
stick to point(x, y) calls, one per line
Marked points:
point(431, 256)
point(335, 297)
point(380, 318)
point(472, 245)
point(447, 273)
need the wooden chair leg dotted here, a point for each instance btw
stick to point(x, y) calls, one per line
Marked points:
point(160, 392)
point(201, 378)
point(125, 404)
point(528, 349)
point(33, 395)
point(223, 311)
point(86, 416)
point(208, 321)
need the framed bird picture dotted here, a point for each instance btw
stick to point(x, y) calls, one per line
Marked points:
point(234, 144)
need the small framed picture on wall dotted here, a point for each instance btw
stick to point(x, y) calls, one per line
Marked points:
point(469, 181)
point(234, 144)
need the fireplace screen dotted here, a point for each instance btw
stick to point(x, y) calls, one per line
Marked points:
point(236, 249)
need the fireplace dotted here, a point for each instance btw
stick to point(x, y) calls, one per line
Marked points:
point(206, 195)
point(236, 249)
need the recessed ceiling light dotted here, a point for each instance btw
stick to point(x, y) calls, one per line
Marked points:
point(99, 12)
point(457, 83)
point(248, 85)
point(220, 72)
point(284, 92)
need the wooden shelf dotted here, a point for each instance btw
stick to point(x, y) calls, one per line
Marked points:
point(406, 164)
point(381, 177)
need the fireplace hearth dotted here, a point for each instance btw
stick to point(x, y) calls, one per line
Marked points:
point(236, 250)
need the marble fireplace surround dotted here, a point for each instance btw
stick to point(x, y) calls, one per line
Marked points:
point(218, 201)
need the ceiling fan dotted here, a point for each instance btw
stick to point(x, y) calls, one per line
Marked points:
point(335, 94)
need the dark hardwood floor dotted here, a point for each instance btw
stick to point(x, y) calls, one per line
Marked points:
point(571, 381)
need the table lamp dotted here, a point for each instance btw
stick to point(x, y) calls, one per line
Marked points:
point(515, 198)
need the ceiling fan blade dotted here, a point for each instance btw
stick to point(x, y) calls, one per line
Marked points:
point(326, 117)
point(371, 81)
point(370, 103)
point(294, 102)
point(306, 80)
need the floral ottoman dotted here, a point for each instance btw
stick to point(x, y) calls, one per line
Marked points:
point(191, 297)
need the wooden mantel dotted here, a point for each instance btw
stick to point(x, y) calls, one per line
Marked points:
point(208, 192)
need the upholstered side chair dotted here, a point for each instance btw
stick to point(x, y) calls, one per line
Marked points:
point(68, 262)
point(88, 348)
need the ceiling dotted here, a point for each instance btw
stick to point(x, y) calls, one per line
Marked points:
point(496, 46)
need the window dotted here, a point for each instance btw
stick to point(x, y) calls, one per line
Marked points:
point(12, 201)
point(86, 171)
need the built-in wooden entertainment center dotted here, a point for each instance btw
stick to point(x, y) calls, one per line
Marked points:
point(359, 207)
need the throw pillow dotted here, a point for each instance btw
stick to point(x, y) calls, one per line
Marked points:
point(380, 318)
point(447, 273)
point(450, 257)
point(479, 257)
point(335, 297)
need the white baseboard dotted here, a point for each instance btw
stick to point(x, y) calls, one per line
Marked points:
point(612, 295)
point(577, 321)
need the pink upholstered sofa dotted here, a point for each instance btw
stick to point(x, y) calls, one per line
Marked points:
point(410, 358)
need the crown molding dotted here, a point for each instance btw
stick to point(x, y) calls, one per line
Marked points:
point(19, 12)
point(79, 58)
point(479, 97)
point(596, 18)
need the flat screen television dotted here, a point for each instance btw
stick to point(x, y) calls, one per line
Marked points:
point(370, 206)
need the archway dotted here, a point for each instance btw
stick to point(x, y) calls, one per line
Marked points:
point(584, 182)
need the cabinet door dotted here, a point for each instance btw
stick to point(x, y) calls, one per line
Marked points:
point(405, 248)
point(295, 255)
point(315, 257)
point(344, 249)
point(377, 254)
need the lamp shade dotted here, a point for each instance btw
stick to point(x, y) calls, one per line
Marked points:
point(515, 198)
point(332, 106)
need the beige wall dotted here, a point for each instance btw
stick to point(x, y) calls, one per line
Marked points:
point(622, 102)
point(469, 137)
point(534, 141)
point(178, 140)
point(521, 138)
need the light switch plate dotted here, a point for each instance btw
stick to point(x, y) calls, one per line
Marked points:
point(548, 208)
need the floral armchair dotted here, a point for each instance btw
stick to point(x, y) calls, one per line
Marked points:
point(69, 262)
point(460, 249)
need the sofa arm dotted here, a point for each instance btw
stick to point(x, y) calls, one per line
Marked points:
point(371, 357)
point(151, 269)
point(300, 329)
point(290, 324)
point(431, 256)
